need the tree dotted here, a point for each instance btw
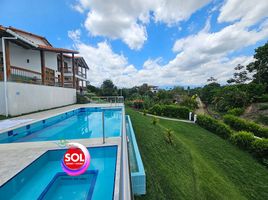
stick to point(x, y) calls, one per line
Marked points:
point(260, 66)
point(144, 88)
point(211, 80)
point(93, 89)
point(209, 91)
point(108, 88)
point(230, 97)
point(240, 75)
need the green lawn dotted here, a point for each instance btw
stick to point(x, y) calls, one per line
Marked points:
point(199, 164)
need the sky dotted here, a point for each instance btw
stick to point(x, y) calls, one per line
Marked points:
point(159, 42)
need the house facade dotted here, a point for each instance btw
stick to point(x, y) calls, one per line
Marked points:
point(34, 75)
point(153, 88)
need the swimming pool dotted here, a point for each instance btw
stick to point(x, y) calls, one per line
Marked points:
point(44, 178)
point(76, 124)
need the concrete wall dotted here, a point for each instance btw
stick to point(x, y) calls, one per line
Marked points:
point(19, 56)
point(25, 98)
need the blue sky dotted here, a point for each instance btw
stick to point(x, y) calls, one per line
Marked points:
point(159, 42)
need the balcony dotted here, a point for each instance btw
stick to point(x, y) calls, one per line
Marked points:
point(18, 74)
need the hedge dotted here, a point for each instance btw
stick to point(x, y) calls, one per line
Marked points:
point(259, 148)
point(170, 111)
point(243, 139)
point(236, 111)
point(240, 124)
point(214, 126)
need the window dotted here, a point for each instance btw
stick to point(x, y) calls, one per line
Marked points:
point(28, 60)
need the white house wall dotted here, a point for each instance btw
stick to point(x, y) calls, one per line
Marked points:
point(25, 98)
point(19, 56)
point(51, 60)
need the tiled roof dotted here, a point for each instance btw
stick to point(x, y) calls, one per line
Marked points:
point(47, 47)
point(30, 34)
point(59, 50)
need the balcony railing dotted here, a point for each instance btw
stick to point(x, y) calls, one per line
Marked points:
point(19, 74)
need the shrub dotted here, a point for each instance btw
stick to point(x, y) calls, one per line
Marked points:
point(263, 98)
point(240, 124)
point(214, 126)
point(243, 139)
point(169, 137)
point(81, 99)
point(263, 107)
point(170, 111)
point(129, 103)
point(236, 111)
point(263, 119)
point(138, 104)
point(144, 112)
point(259, 149)
point(155, 120)
point(189, 103)
point(156, 109)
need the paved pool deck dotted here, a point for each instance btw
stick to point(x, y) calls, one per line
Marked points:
point(16, 156)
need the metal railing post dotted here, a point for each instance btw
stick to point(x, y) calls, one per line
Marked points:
point(103, 128)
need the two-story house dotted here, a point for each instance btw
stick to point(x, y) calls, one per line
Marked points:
point(34, 75)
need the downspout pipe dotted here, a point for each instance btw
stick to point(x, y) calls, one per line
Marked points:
point(5, 71)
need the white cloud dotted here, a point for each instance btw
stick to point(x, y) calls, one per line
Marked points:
point(74, 35)
point(195, 50)
point(247, 11)
point(173, 11)
point(105, 64)
point(126, 20)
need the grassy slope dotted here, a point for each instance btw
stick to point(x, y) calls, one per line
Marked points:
point(199, 165)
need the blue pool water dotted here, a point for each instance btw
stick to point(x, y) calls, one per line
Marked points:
point(44, 178)
point(78, 124)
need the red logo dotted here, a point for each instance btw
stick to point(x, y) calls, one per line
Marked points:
point(74, 159)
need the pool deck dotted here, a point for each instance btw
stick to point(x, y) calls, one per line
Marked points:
point(16, 156)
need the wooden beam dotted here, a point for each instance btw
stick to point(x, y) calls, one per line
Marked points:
point(43, 66)
point(62, 69)
point(73, 71)
point(7, 50)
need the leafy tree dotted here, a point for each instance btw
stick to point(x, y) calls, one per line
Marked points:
point(108, 88)
point(230, 97)
point(189, 102)
point(144, 88)
point(209, 91)
point(260, 66)
point(211, 80)
point(240, 75)
point(93, 89)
